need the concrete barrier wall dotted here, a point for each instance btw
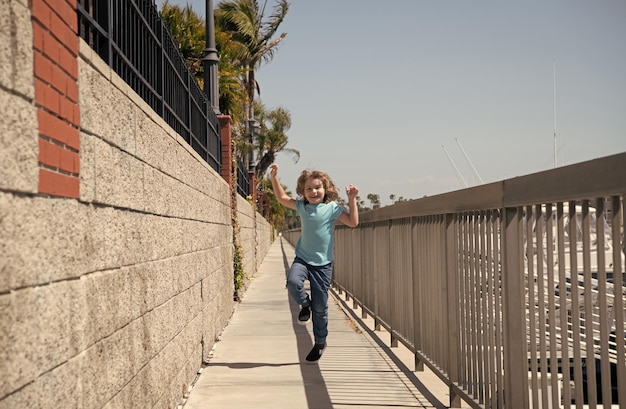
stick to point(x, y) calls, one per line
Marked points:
point(247, 233)
point(256, 236)
point(113, 299)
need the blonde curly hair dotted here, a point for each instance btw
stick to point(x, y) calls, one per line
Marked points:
point(330, 189)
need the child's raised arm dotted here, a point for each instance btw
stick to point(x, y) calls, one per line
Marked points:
point(279, 192)
point(351, 218)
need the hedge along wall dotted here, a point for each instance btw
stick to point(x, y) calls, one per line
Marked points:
point(116, 271)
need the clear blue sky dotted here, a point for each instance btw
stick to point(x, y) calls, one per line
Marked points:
point(376, 90)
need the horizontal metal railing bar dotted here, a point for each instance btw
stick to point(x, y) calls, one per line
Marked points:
point(587, 179)
point(595, 178)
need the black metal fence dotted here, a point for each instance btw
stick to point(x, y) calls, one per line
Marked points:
point(130, 36)
point(243, 181)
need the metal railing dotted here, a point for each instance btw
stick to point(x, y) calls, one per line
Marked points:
point(512, 293)
point(130, 36)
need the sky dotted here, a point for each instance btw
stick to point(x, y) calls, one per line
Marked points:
point(415, 98)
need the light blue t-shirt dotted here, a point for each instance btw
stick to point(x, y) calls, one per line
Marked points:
point(315, 245)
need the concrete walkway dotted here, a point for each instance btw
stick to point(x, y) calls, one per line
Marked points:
point(259, 360)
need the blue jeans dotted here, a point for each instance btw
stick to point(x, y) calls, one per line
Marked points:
point(319, 278)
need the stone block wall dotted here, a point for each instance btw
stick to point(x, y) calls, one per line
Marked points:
point(256, 236)
point(112, 292)
point(18, 131)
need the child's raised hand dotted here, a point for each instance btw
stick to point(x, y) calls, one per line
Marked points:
point(273, 170)
point(352, 191)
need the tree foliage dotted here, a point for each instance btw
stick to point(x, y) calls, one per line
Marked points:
point(374, 200)
point(278, 215)
point(272, 137)
point(188, 32)
point(246, 24)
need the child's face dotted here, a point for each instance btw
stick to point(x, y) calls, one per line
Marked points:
point(314, 191)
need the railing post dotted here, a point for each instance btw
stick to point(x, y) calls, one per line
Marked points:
point(354, 267)
point(417, 235)
point(376, 279)
point(363, 278)
point(618, 213)
point(393, 339)
point(451, 253)
point(515, 350)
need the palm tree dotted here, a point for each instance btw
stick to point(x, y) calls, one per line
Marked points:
point(233, 96)
point(272, 137)
point(244, 41)
point(244, 21)
point(360, 203)
point(374, 200)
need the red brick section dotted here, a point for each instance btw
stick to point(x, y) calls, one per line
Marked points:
point(226, 170)
point(226, 147)
point(55, 48)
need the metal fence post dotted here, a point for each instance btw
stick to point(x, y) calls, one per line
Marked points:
point(515, 351)
point(451, 254)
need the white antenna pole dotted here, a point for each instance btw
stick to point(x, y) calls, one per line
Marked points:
point(469, 161)
point(554, 110)
point(458, 174)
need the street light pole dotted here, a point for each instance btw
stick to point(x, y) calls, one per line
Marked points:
point(255, 128)
point(210, 60)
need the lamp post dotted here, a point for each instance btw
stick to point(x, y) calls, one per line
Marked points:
point(254, 128)
point(210, 60)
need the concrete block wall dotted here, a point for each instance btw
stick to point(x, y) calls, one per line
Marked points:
point(256, 236)
point(18, 130)
point(247, 234)
point(112, 292)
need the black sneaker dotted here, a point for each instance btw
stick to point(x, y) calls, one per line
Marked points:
point(305, 315)
point(316, 352)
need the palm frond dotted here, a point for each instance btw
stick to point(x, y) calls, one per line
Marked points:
point(274, 20)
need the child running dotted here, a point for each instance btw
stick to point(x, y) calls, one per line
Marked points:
point(318, 211)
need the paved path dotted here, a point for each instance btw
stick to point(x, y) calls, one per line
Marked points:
point(259, 360)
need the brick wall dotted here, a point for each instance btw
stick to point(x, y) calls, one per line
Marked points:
point(55, 50)
point(227, 153)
